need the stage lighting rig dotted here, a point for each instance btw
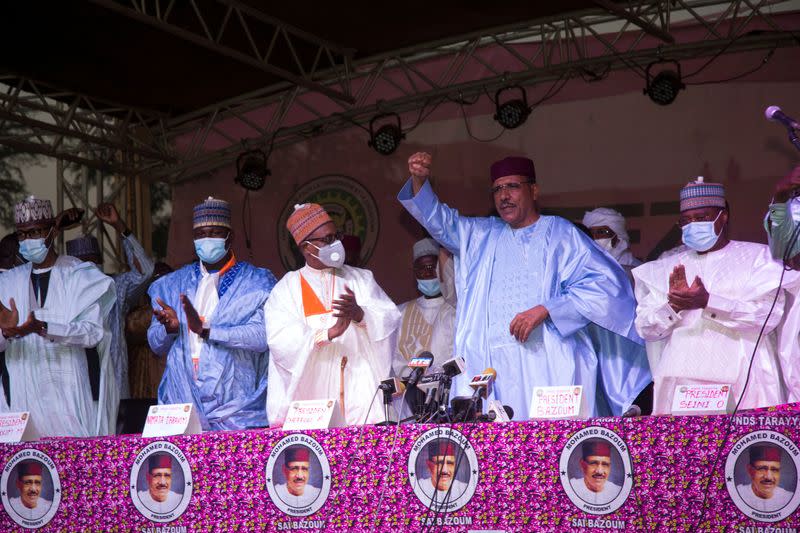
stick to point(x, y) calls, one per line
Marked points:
point(663, 88)
point(386, 140)
point(251, 170)
point(511, 113)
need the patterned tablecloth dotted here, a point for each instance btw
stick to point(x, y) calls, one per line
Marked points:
point(660, 473)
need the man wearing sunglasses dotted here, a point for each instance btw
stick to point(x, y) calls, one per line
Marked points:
point(330, 327)
point(528, 287)
point(702, 309)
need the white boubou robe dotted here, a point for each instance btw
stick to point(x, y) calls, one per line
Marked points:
point(426, 324)
point(305, 365)
point(714, 345)
point(49, 375)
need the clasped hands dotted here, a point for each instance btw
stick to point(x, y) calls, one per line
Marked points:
point(681, 296)
point(9, 317)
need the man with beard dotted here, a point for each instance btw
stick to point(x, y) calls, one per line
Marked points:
point(528, 287)
point(594, 487)
point(159, 496)
point(29, 504)
point(764, 468)
point(442, 487)
point(296, 492)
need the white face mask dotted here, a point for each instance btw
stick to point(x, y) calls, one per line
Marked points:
point(614, 251)
point(330, 255)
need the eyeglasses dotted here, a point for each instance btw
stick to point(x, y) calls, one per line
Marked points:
point(514, 186)
point(685, 220)
point(34, 233)
point(327, 239)
point(425, 268)
point(602, 233)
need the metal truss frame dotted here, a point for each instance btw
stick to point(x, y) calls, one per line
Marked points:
point(628, 36)
point(141, 143)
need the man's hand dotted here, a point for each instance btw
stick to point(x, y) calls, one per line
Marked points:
point(107, 212)
point(9, 317)
point(347, 306)
point(339, 328)
point(69, 218)
point(166, 316)
point(419, 166)
point(193, 320)
point(677, 280)
point(694, 297)
point(31, 325)
point(787, 184)
point(526, 321)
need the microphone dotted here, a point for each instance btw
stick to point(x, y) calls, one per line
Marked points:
point(775, 114)
point(453, 367)
point(481, 383)
point(497, 412)
point(392, 386)
point(419, 364)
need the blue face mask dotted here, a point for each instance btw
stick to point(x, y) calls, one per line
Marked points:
point(429, 287)
point(700, 236)
point(210, 249)
point(34, 250)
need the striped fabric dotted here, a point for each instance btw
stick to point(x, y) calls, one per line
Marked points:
point(305, 219)
point(212, 212)
point(698, 194)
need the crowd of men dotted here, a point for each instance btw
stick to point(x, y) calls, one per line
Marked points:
point(541, 300)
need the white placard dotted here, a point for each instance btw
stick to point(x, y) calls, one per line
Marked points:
point(558, 402)
point(171, 419)
point(500, 412)
point(17, 427)
point(701, 399)
point(313, 414)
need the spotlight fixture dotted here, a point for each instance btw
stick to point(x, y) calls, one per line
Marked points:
point(251, 170)
point(511, 113)
point(664, 87)
point(386, 140)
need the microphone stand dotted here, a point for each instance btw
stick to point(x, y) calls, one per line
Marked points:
point(387, 401)
point(793, 137)
point(442, 414)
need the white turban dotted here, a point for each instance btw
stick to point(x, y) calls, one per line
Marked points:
point(426, 247)
point(603, 216)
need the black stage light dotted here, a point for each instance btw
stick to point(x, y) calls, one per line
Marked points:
point(251, 170)
point(386, 140)
point(511, 113)
point(663, 88)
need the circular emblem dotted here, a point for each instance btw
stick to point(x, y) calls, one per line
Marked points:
point(761, 475)
point(31, 488)
point(443, 469)
point(161, 482)
point(350, 205)
point(298, 475)
point(595, 470)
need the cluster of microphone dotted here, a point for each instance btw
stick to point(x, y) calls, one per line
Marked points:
point(428, 394)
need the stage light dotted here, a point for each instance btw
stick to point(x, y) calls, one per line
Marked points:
point(386, 140)
point(251, 170)
point(664, 87)
point(511, 113)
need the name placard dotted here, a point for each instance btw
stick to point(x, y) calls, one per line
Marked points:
point(558, 402)
point(701, 399)
point(314, 414)
point(17, 427)
point(171, 419)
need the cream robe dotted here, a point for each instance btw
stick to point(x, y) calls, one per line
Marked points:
point(425, 324)
point(49, 375)
point(304, 365)
point(714, 345)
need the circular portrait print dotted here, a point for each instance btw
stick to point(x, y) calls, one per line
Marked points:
point(595, 470)
point(298, 475)
point(161, 482)
point(761, 475)
point(443, 470)
point(31, 488)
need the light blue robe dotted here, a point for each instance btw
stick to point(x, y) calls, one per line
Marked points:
point(589, 338)
point(231, 389)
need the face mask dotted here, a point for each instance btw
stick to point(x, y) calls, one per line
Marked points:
point(700, 236)
point(210, 249)
point(331, 255)
point(615, 252)
point(429, 287)
point(780, 223)
point(34, 250)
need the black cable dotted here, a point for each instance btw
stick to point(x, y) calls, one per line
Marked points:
point(761, 64)
point(718, 455)
point(247, 222)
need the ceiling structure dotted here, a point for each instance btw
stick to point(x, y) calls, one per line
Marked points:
point(152, 88)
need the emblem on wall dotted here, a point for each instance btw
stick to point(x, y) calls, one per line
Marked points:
point(350, 205)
